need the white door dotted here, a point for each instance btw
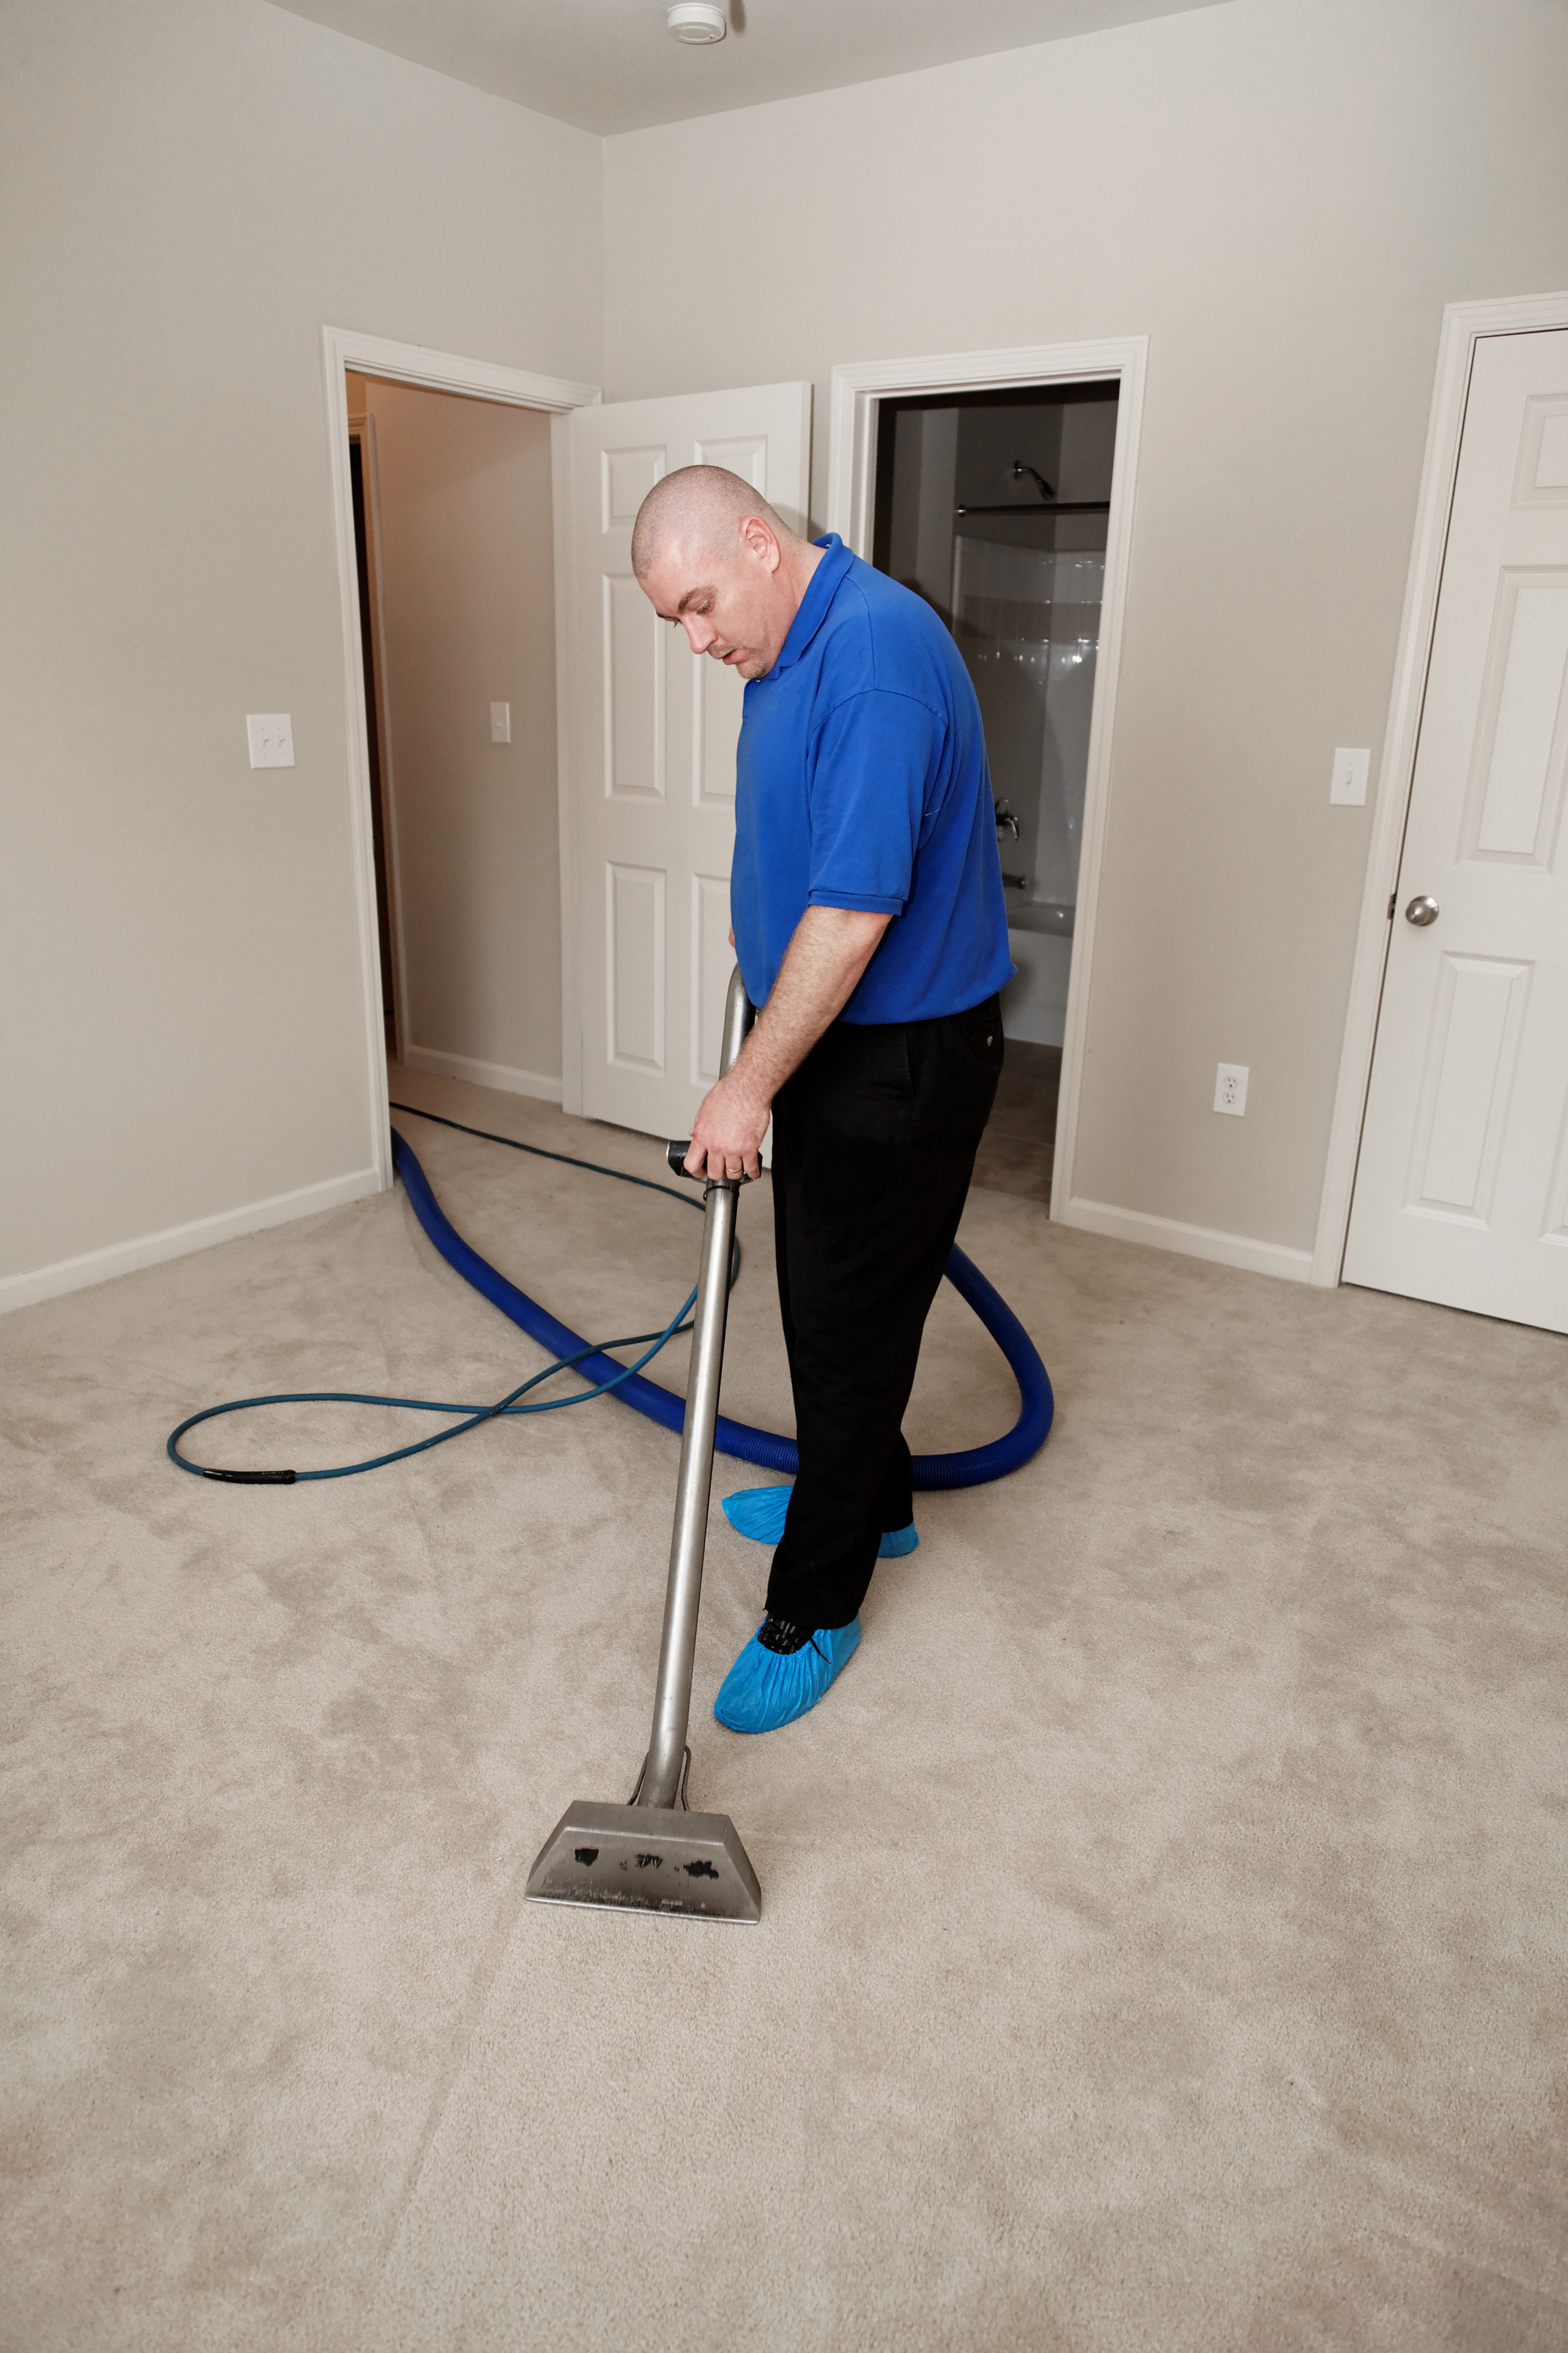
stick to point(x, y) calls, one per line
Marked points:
point(1461, 1191)
point(653, 802)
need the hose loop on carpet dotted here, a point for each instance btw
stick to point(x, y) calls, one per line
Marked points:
point(974, 1467)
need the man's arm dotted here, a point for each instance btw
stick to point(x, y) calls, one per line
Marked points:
point(829, 950)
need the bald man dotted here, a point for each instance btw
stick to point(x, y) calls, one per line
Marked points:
point(871, 931)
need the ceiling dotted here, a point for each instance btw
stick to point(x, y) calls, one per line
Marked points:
point(609, 65)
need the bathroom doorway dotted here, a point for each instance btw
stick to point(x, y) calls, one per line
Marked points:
point(994, 505)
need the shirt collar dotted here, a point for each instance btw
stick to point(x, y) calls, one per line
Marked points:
point(821, 589)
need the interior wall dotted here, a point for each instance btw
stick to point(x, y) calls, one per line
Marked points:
point(1282, 195)
point(191, 189)
point(468, 610)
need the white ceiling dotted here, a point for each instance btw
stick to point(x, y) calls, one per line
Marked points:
point(609, 65)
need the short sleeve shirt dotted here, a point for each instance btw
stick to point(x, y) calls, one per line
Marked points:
point(861, 782)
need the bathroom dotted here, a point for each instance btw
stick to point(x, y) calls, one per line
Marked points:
point(991, 505)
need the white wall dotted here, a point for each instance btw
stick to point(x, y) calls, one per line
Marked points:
point(1282, 194)
point(190, 189)
point(469, 586)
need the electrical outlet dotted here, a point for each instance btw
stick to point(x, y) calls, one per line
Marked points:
point(272, 738)
point(1347, 784)
point(1230, 1089)
point(500, 722)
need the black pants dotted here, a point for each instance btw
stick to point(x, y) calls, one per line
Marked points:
point(874, 1142)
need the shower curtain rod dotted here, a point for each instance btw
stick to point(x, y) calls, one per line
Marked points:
point(1055, 506)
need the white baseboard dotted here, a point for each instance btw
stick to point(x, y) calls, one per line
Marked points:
point(1192, 1242)
point(178, 1241)
point(482, 1074)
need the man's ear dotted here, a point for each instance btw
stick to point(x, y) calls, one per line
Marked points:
point(762, 543)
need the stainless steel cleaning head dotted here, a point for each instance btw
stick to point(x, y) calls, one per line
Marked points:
point(647, 1858)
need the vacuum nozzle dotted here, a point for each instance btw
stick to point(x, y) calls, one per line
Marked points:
point(646, 1859)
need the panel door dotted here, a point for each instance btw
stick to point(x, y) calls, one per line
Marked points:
point(1462, 1189)
point(656, 728)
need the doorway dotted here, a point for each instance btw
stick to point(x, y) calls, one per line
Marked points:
point(458, 621)
point(398, 366)
point(969, 393)
point(994, 506)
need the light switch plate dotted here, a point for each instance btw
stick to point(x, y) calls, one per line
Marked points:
point(1230, 1089)
point(271, 734)
point(500, 722)
point(1347, 785)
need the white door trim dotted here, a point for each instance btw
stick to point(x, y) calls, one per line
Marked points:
point(851, 473)
point(1464, 323)
point(343, 349)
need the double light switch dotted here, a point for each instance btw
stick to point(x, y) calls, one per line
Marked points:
point(271, 736)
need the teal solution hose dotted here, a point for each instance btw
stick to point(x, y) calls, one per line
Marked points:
point(975, 1467)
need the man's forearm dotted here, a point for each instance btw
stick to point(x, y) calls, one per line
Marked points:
point(829, 950)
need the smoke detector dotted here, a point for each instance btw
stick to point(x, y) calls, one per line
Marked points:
point(695, 21)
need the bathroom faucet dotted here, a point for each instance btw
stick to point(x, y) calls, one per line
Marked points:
point(1006, 820)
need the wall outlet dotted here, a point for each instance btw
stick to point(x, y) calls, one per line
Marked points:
point(271, 738)
point(1347, 784)
point(1230, 1088)
point(500, 722)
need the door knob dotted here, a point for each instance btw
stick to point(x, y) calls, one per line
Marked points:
point(1421, 911)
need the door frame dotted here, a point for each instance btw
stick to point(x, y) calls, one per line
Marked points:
point(345, 349)
point(857, 393)
point(1464, 325)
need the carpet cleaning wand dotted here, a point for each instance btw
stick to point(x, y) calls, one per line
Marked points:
point(652, 1855)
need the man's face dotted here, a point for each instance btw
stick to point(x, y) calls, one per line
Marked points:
point(732, 597)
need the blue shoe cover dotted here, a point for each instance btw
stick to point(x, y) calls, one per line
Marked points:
point(766, 1688)
point(759, 1512)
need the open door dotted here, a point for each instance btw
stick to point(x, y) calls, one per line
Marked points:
point(648, 768)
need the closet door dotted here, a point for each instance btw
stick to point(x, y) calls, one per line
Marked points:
point(1462, 1189)
point(651, 789)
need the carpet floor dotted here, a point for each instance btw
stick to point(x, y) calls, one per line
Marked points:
point(1164, 1918)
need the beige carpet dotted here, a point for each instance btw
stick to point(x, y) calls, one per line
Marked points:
point(1163, 1931)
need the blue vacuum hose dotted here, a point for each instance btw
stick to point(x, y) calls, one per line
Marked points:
point(606, 1377)
point(765, 1447)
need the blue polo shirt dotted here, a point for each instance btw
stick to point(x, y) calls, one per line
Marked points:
point(860, 781)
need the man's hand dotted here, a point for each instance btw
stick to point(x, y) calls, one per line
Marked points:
point(727, 1134)
point(830, 949)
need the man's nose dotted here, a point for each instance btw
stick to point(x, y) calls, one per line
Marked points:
point(697, 629)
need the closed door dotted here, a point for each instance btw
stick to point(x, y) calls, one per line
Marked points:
point(655, 733)
point(1461, 1191)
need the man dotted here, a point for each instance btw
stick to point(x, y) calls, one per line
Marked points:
point(872, 932)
